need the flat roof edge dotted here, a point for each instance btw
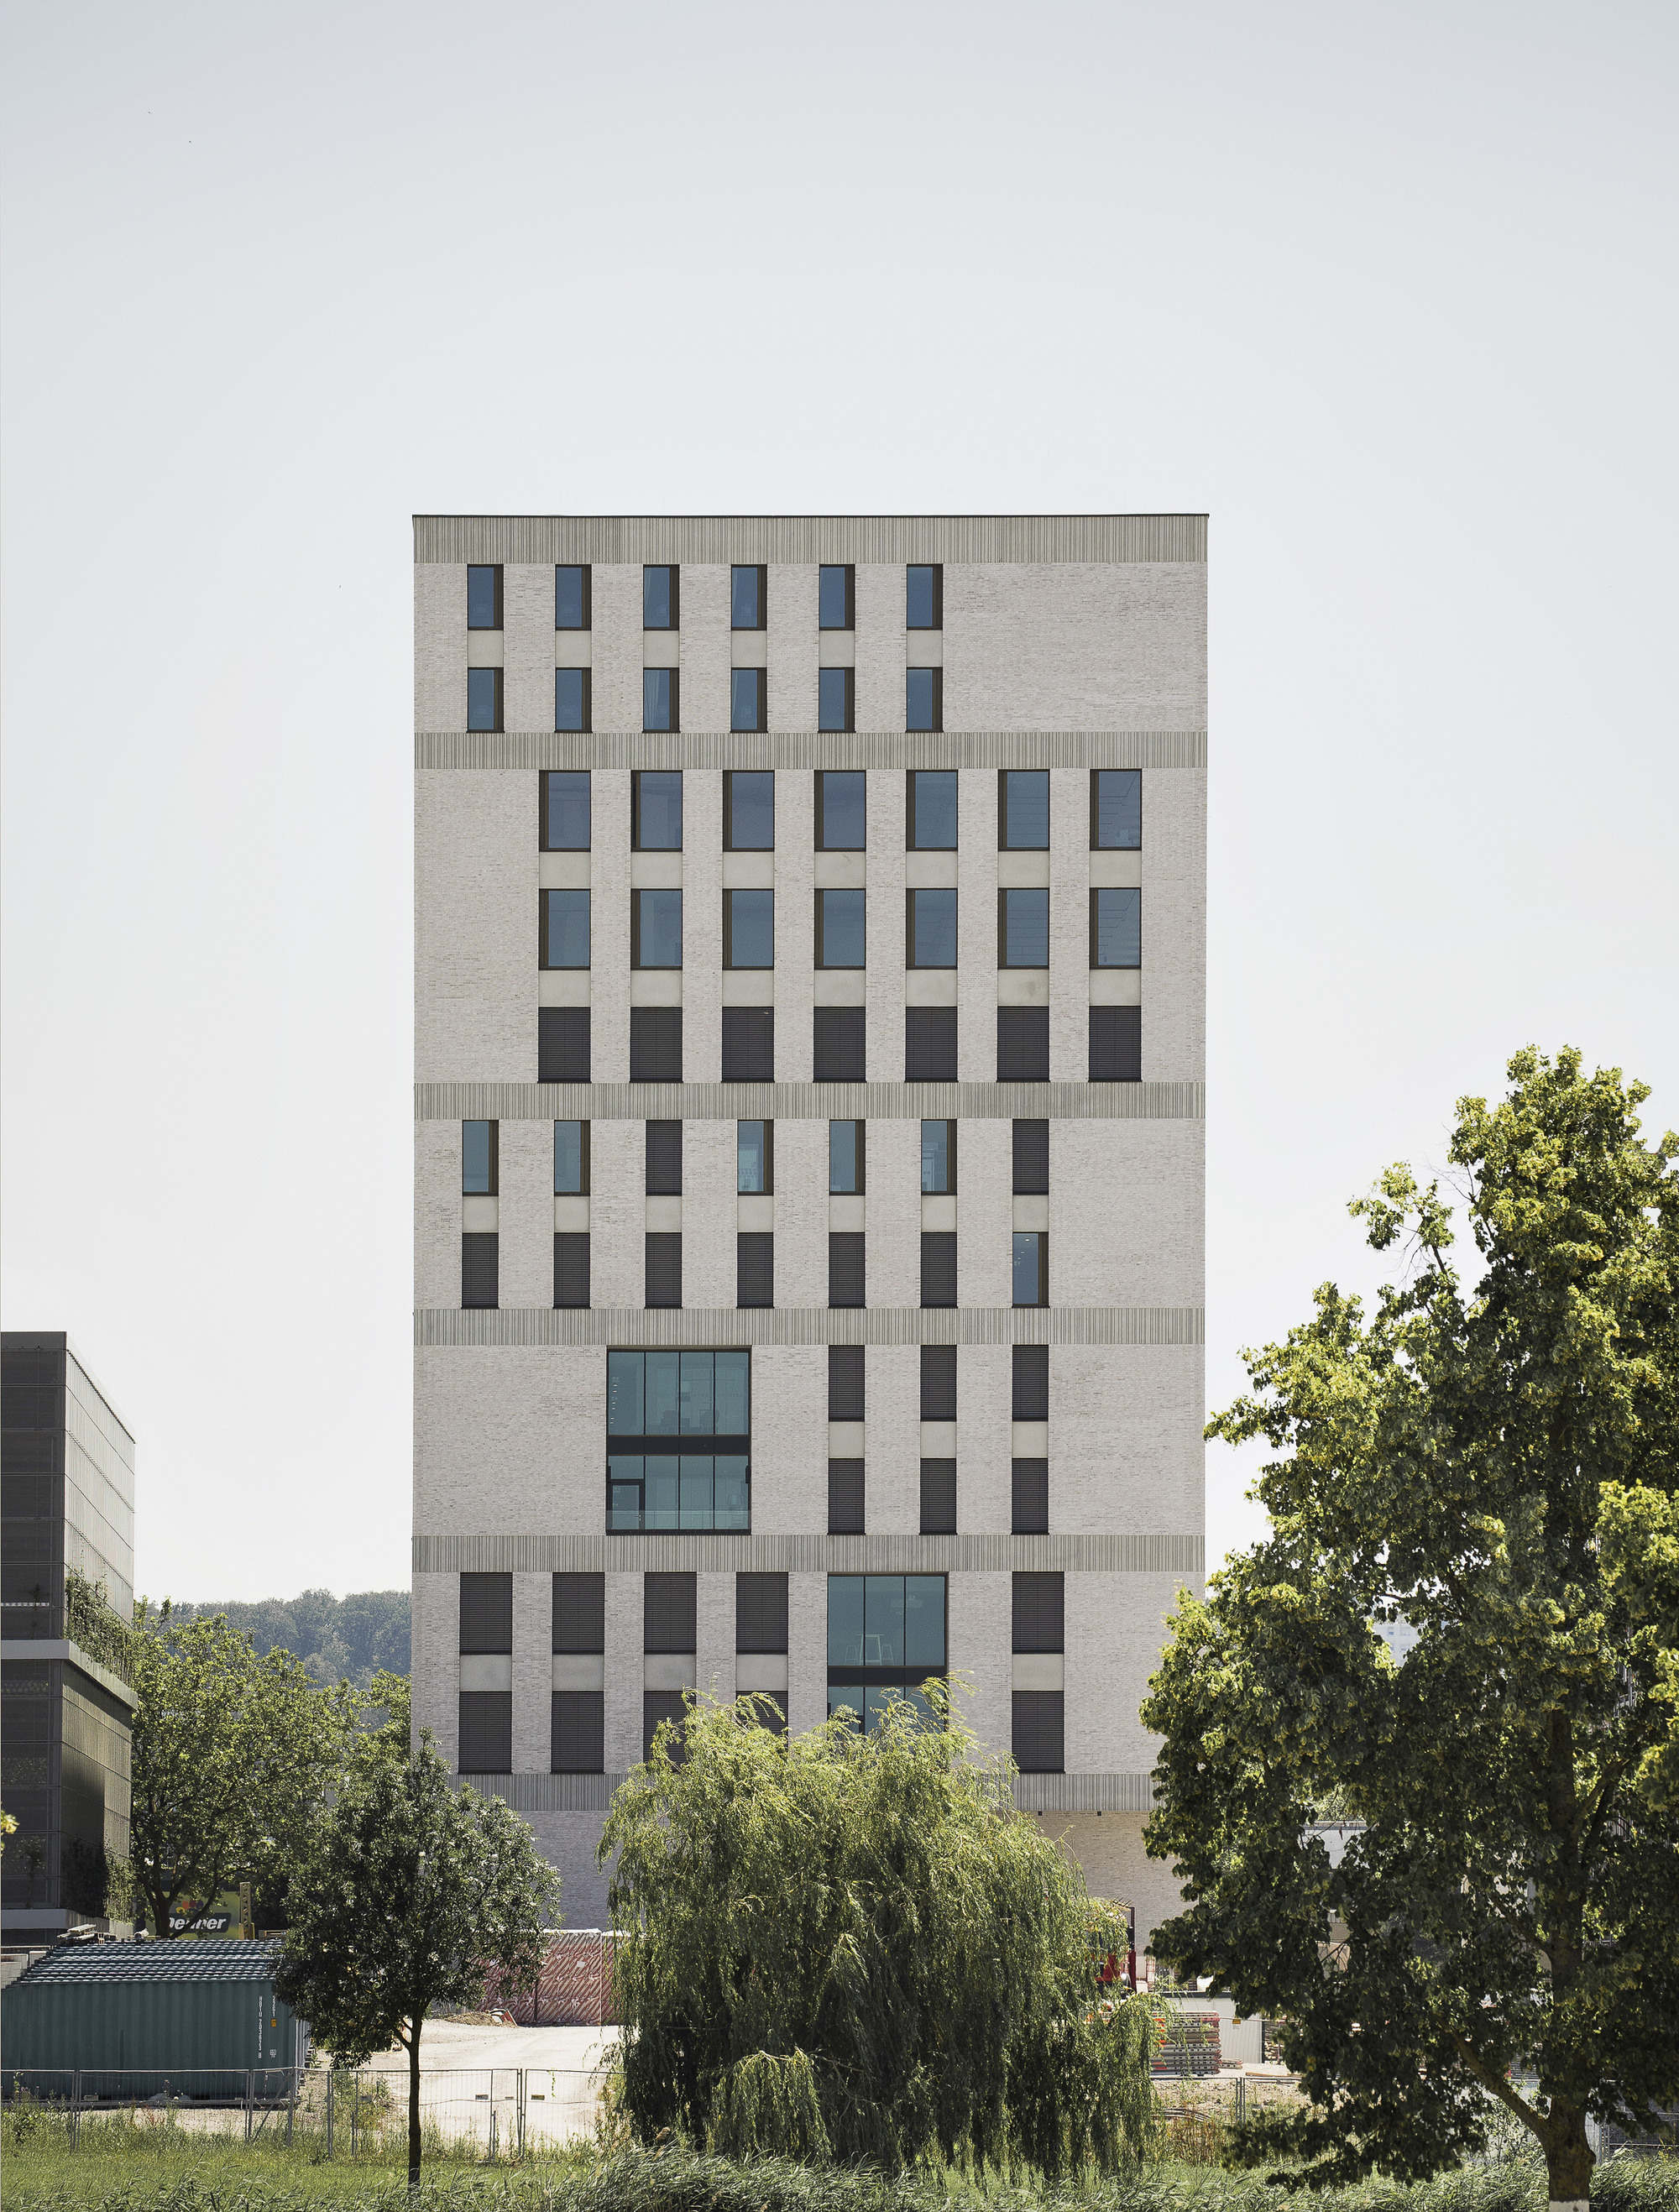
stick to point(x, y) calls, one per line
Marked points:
point(889, 538)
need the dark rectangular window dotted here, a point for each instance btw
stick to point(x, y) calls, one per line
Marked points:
point(658, 1706)
point(748, 594)
point(931, 822)
point(748, 698)
point(483, 599)
point(562, 1044)
point(836, 597)
point(838, 1044)
point(655, 928)
point(1116, 1044)
point(572, 596)
point(571, 1267)
point(930, 1044)
point(577, 1732)
point(754, 1158)
point(486, 1612)
point(754, 1267)
point(937, 1159)
point(661, 704)
point(1023, 928)
point(839, 823)
point(1115, 927)
point(571, 1159)
point(566, 811)
point(1032, 1268)
point(923, 598)
point(670, 1610)
point(845, 1382)
point(664, 1268)
point(938, 1498)
point(1039, 1731)
point(479, 1159)
point(655, 810)
point(845, 1498)
point(580, 1612)
point(1031, 1159)
point(1116, 810)
point(486, 1732)
point(938, 1382)
point(886, 1636)
point(660, 609)
point(573, 699)
point(937, 1267)
point(846, 1150)
point(841, 932)
point(929, 935)
point(749, 929)
point(664, 1159)
point(749, 1044)
point(655, 1044)
point(1023, 810)
point(760, 1613)
point(1023, 1044)
point(479, 1268)
point(835, 699)
point(749, 809)
point(845, 1268)
point(678, 1440)
point(1028, 1480)
point(923, 698)
point(484, 698)
point(1031, 1393)
point(1040, 1612)
point(565, 929)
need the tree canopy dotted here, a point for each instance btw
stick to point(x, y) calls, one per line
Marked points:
point(407, 1891)
point(1497, 1466)
point(347, 1639)
point(853, 1946)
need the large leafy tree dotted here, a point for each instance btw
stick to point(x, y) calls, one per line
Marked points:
point(408, 1891)
point(1495, 1465)
point(853, 1946)
point(232, 1755)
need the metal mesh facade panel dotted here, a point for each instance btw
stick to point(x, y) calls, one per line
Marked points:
point(562, 1044)
point(578, 1732)
point(664, 1268)
point(1031, 1157)
point(1116, 1044)
point(749, 1044)
point(839, 1041)
point(1039, 1731)
point(845, 1498)
point(668, 1612)
point(486, 1732)
point(938, 1498)
point(755, 1267)
point(930, 1044)
point(845, 1382)
point(938, 1382)
point(760, 1613)
point(580, 1612)
point(937, 1267)
point(655, 1044)
point(1023, 1044)
point(486, 1612)
point(1039, 1613)
point(1032, 1383)
point(571, 1267)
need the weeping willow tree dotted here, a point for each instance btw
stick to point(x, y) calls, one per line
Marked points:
point(853, 1948)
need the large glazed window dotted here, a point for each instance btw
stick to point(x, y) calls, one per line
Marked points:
point(886, 1637)
point(678, 1440)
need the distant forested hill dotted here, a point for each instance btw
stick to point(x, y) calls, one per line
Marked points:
point(337, 1639)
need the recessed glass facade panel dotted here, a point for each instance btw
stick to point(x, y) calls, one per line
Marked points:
point(833, 698)
point(1031, 1288)
point(746, 609)
point(921, 598)
point(840, 929)
point(657, 806)
point(483, 599)
point(1025, 928)
point(658, 598)
point(840, 825)
point(484, 698)
point(932, 818)
point(570, 1158)
point(834, 598)
point(571, 598)
point(571, 698)
point(657, 929)
point(1116, 932)
point(930, 939)
point(1117, 809)
point(678, 1453)
point(1024, 809)
point(749, 929)
point(923, 703)
point(886, 1637)
point(937, 1159)
point(747, 710)
point(478, 1158)
point(565, 929)
point(565, 820)
point(659, 698)
point(749, 811)
point(845, 1159)
point(751, 1174)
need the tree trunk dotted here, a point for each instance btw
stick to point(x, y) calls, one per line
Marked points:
point(414, 2103)
point(1568, 2160)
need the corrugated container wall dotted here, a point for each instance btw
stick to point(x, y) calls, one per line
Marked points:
point(181, 2026)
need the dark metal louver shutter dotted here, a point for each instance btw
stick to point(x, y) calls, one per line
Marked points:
point(571, 1267)
point(655, 1044)
point(845, 1382)
point(479, 1268)
point(486, 1612)
point(1040, 1733)
point(669, 1612)
point(1023, 1044)
point(664, 1268)
point(937, 1267)
point(580, 1612)
point(1116, 1044)
point(930, 1044)
point(1040, 1611)
point(938, 1382)
point(938, 1498)
point(664, 1159)
point(1030, 1482)
point(562, 1044)
point(760, 1613)
point(1031, 1159)
point(1032, 1383)
point(845, 1266)
point(486, 1732)
point(755, 1267)
point(749, 1044)
point(578, 1732)
point(845, 1498)
point(659, 1706)
point(838, 1045)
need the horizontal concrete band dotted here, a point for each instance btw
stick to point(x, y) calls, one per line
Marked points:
point(798, 538)
point(627, 1327)
point(792, 749)
point(459, 1553)
point(810, 1102)
point(1033, 1793)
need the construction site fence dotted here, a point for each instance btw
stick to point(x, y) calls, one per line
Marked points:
point(344, 2112)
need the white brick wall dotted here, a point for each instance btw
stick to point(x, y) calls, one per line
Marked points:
point(475, 927)
point(1066, 646)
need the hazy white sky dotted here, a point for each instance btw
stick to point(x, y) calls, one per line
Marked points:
point(1389, 291)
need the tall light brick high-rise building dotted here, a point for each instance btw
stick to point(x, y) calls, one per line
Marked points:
point(808, 1206)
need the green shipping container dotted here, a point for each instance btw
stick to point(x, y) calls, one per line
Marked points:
point(138, 2020)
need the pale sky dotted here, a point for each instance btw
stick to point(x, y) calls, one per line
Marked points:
point(1388, 292)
